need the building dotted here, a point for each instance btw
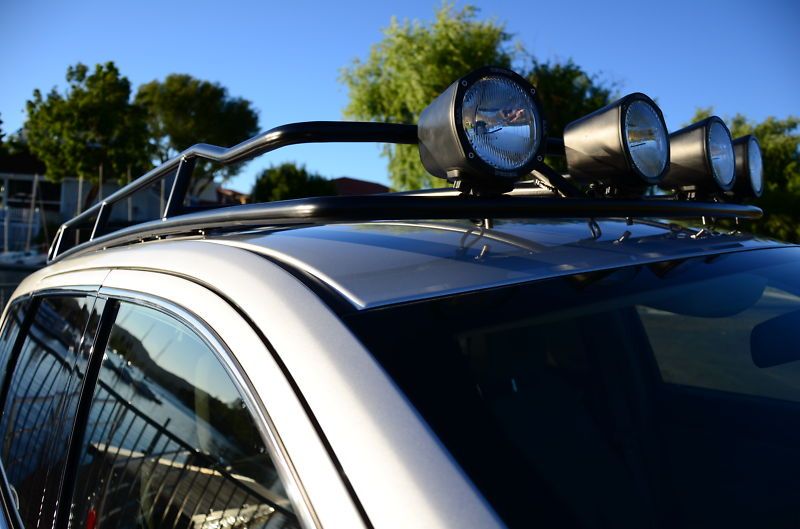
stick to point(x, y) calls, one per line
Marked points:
point(33, 208)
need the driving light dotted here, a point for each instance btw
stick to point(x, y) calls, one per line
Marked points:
point(701, 158)
point(624, 144)
point(749, 169)
point(485, 130)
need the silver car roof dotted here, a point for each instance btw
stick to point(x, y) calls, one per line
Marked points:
point(382, 263)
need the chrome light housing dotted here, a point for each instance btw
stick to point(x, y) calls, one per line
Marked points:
point(623, 144)
point(484, 130)
point(701, 158)
point(749, 167)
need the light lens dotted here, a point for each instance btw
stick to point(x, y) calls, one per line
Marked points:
point(755, 165)
point(646, 138)
point(499, 119)
point(721, 151)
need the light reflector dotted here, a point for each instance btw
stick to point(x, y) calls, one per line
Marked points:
point(499, 120)
point(721, 152)
point(646, 139)
point(749, 167)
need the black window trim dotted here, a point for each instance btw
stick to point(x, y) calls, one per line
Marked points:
point(67, 486)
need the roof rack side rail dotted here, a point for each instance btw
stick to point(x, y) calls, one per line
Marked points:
point(315, 210)
point(96, 217)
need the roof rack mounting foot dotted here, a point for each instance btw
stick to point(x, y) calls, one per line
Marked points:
point(478, 187)
point(549, 178)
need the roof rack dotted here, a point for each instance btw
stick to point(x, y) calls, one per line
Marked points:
point(179, 169)
point(176, 219)
point(406, 207)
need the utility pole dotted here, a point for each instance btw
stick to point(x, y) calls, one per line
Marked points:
point(6, 213)
point(130, 204)
point(80, 196)
point(30, 213)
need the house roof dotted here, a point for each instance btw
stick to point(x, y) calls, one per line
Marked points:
point(352, 186)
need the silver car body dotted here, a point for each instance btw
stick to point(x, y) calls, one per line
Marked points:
point(324, 401)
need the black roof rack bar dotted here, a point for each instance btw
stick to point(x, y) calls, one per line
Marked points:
point(409, 207)
point(555, 147)
point(183, 164)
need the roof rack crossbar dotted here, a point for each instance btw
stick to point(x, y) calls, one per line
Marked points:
point(183, 164)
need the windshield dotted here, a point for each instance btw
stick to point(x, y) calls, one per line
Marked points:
point(660, 395)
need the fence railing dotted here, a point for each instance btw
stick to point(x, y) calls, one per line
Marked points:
point(134, 471)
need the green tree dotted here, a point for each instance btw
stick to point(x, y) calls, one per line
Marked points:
point(16, 156)
point(2, 145)
point(92, 124)
point(780, 150)
point(416, 61)
point(182, 111)
point(413, 63)
point(287, 181)
point(566, 93)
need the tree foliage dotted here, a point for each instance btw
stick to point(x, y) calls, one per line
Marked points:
point(416, 61)
point(566, 93)
point(287, 181)
point(413, 63)
point(780, 149)
point(16, 156)
point(92, 124)
point(182, 111)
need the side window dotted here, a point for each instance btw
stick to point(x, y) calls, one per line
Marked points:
point(169, 441)
point(41, 403)
point(8, 336)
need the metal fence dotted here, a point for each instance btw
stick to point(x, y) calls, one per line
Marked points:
point(140, 471)
point(134, 471)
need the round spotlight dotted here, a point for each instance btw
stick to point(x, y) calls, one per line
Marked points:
point(721, 153)
point(701, 158)
point(646, 139)
point(499, 119)
point(623, 144)
point(749, 167)
point(484, 130)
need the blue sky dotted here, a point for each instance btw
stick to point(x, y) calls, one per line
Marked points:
point(286, 56)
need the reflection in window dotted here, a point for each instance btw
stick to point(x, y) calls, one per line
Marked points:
point(169, 441)
point(710, 344)
point(9, 335)
point(41, 404)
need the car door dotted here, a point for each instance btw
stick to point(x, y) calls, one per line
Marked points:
point(192, 423)
point(160, 418)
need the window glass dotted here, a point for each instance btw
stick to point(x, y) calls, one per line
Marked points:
point(549, 397)
point(715, 343)
point(8, 336)
point(169, 441)
point(41, 404)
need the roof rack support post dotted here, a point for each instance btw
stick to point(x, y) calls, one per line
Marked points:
point(56, 243)
point(180, 186)
point(550, 178)
point(102, 219)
